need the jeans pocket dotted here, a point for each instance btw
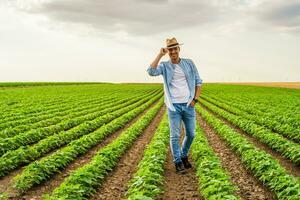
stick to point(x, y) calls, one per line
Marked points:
point(190, 106)
point(190, 110)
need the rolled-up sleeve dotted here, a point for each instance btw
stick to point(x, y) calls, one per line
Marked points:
point(198, 80)
point(155, 71)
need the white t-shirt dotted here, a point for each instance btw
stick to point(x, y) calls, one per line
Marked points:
point(179, 87)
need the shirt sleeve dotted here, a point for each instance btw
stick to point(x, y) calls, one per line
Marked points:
point(198, 80)
point(155, 71)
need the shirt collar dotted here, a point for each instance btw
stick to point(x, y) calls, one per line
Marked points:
point(173, 65)
point(177, 63)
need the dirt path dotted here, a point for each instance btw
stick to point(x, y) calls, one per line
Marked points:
point(249, 187)
point(115, 185)
point(7, 181)
point(179, 186)
point(291, 167)
point(47, 187)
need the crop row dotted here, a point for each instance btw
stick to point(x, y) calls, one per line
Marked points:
point(148, 180)
point(35, 105)
point(41, 170)
point(278, 98)
point(19, 108)
point(284, 129)
point(52, 123)
point(30, 84)
point(263, 166)
point(29, 101)
point(13, 131)
point(260, 107)
point(265, 103)
point(278, 143)
point(214, 181)
point(277, 112)
point(26, 154)
point(83, 182)
point(42, 99)
point(59, 108)
point(59, 111)
point(40, 133)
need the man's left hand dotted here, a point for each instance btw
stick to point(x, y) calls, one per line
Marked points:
point(192, 103)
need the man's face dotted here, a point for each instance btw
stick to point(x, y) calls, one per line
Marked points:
point(174, 52)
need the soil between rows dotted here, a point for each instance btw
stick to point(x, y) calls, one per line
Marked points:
point(6, 181)
point(115, 184)
point(249, 187)
point(290, 167)
point(47, 187)
point(179, 186)
point(176, 186)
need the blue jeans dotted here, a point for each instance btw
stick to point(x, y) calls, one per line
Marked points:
point(187, 115)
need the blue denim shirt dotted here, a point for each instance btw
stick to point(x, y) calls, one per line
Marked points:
point(166, 69)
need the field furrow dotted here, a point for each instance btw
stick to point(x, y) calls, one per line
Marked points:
point(83, 181)
point(73, 141)
point(27, 154)
point(261, 164)
point(285, 147)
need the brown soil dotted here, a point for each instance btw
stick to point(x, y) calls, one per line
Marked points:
point(115, 183)
point(179, 186)
point(249, 187)
point(290, 167)
point(176, 186)
point(47, 187)
point(7, 181)
point(295, 85)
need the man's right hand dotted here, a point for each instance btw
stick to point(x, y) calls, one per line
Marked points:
point(163, 51)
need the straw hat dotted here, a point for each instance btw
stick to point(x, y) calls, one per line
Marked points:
point(172, 43)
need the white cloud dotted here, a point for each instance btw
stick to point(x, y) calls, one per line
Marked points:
point(273, 15)
point(93, 39)
point(131, 16)
point(148, 17)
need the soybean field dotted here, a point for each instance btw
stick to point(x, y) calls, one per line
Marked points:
point(111, 141)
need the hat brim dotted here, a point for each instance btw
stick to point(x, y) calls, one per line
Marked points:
point(174, 46)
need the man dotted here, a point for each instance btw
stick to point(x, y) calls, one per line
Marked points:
point(182, 87)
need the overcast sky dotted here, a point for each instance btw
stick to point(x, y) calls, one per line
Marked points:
point(116, 40)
